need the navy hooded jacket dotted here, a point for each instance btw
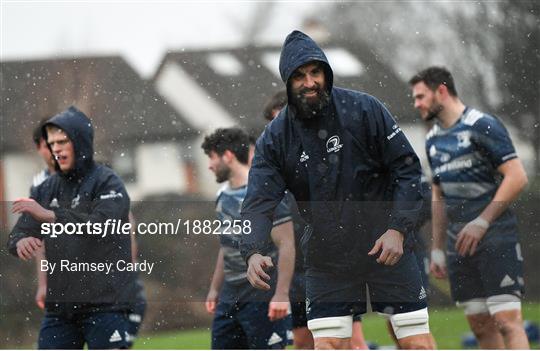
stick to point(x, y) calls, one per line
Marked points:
point(88, 193)
point(352, 172)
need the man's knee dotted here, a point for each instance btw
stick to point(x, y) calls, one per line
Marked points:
point(303, 340)
point(303, 344)
point(482, 325)
point(506, 313)
point(417, 342)
point(332, 343)
point(508, 322)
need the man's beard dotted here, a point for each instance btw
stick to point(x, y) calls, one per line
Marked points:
point(222, 173)
point(308, 109)
point(434, 111)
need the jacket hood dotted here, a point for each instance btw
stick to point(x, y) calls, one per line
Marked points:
point(78, 128)
point(299, 49)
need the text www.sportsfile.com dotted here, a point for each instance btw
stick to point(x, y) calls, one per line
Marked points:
point(116, 227)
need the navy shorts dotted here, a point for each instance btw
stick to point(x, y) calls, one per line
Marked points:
point(98, 330)
point(392, 289)
point(496, 269)
point(297, 297)
point(246, 326)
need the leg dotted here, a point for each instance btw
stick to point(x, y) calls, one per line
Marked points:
point(261, 333)
point(506, 313)
point(510, 325)
point(398, 293)
point(226, 331)
point(502, 275)
point(482, 324)
point(303, 340)
point(331, 332)
point(358, 342)
point(332, 343)
point(485, 331)
point(412, 330)
point(331, 301)
point(59, 333)
point(417, 342)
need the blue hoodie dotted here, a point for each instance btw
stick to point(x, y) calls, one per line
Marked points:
point(89, 193)
point(78, 128)
point(352, 171)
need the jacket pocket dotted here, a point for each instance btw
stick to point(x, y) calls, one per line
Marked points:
point(367, 182)
point(373, 191)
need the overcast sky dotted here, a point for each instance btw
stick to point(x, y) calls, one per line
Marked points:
point(141, 31)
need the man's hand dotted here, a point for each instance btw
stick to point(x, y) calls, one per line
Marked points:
point(211, 301)
point(41, 293)
point(469, 237)
point(391, 243)
point(28, 247)
point(255, 273)
point(437, 264)
point(279, 307)
point(30, 206)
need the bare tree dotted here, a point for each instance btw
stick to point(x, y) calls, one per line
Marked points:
point(491, 47)
point(517, 65)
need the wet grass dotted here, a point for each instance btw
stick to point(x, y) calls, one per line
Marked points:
point(447, 324)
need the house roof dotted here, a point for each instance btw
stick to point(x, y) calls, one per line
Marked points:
point(243, 79)
point(121, 105)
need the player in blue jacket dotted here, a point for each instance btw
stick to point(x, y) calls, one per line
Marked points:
point(476, 175)
point(356, 180)
point(83, 306)
point(302, 338)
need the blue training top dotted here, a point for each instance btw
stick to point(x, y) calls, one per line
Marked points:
point(464, 160)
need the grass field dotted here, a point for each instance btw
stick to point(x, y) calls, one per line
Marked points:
point(447, 325)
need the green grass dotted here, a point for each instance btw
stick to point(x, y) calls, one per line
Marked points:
point(192, 340)
point(447, 326)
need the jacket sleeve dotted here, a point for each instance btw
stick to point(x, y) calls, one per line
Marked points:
point(403, 163)
point(110, 201)
point(265, 191)
point(26, 226)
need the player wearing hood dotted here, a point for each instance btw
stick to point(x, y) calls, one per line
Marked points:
point(356, 179)
point(82, 306)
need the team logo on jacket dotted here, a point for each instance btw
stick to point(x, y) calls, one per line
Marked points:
point(304, 157)
point(111, 195)
point(333, 145)
point(54, 203)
